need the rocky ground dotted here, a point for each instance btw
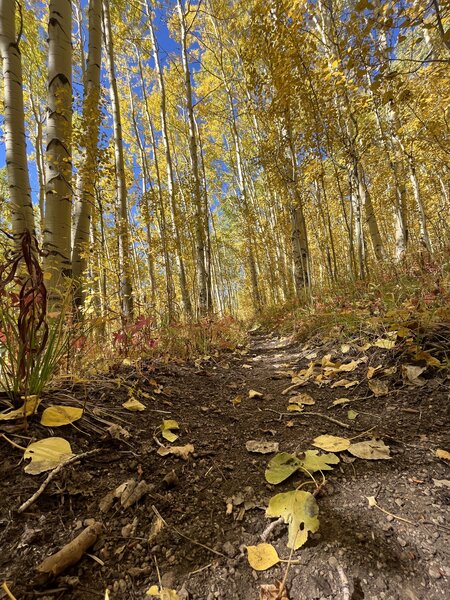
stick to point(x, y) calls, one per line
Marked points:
point(190, 529)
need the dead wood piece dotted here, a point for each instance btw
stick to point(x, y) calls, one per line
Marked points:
point(52, 475)
point(71, 553)
point(136, 494)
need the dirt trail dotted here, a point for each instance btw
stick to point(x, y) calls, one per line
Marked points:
point(382, 557)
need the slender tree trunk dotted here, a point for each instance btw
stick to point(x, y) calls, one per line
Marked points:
point(169, 164)
point(125, 266)
point(14, 127)
point(58, 196)
point(87, 173)
point(202, 279)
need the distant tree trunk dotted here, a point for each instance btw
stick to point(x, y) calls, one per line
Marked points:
point(87, 172)
point(58, 196)
point(169, 164)
point(125, 266)
point(14, 126)
point(202, 278)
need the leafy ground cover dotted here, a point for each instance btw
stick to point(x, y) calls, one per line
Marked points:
point(171, 472)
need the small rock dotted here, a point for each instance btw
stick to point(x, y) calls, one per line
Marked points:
point(229, 549)
point(168, 579)
point(401, 541)
point(434, 572)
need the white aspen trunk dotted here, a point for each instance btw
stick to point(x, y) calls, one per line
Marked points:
point(169, 164)
point(202, 279)
point(424, 235)
point(125, 265)
point(87, 173)
point(14, 126)
point(58, 192)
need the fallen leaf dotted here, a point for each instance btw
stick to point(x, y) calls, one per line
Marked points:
point(167, 430)
point(237, 400)
point(442, 454)
point(302, 399)
point(341, 401)
point(379, 388)
point(344, 383)
point(313, 461)
point(290, 424)
point(181, 451)
point(411, 374)
point(162, 593)
point(331, 443)
point(371, 371)
point(295, 407)
point(29, 407)
point(327, 362)
point(428, 358)
point(372, 501)
point(370, 450)
point(262, 556)
point(345, 348)
point(386, 344)
point(56, 416)
point(390, 371)
point(273, 591)
point(349, 367)
point(352, 414)
point(261, 446)
point(281, 467)
point(134, 405)
point(255, 394)
point(46, 454)
point(299, 509)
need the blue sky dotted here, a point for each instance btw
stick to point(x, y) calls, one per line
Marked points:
point(166, 44)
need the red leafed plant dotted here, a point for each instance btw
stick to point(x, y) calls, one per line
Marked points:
point(30, 347)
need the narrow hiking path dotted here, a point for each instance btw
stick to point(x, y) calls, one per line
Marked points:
point(212, 504)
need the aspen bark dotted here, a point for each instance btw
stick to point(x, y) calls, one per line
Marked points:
point(125, 265)
point(87, 173)
point(196, 193)
point(14, 126)
point(58, 193)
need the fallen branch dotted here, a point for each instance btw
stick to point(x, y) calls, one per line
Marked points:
point(342, 576)
point(52, 475)
point(309, 414)
point(71, 553)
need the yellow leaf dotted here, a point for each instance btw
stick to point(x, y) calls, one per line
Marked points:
point(255, 394)
point(133, 404)
point(331, 443)
point(341, 401)
point(344, 383)
point(47, 454)
point(370, 450)
point(386, 344)
point(299, 509)
point(302, 399)
point(29, 407)
point(371, 371)
point(56, 416)
point(167, 427)
point(262, 556)
point(348, 367)
point(181, 451)
point(237, 400)
point(442, 454)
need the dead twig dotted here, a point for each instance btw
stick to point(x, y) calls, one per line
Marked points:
point(52, 475)
point(270, 527)
point(342, 576)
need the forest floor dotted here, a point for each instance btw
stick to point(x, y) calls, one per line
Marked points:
point(213, 504)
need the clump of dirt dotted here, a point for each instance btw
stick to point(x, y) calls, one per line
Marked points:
point(197, 515)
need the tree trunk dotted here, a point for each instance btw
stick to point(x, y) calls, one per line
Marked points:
point(196, 192)
point(125, 268)
point(14, 126)
point(87, 173)
point(58, 193)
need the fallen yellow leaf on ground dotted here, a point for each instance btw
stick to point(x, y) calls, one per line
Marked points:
point(262, 556)
point(56, 416)
point(134, 405)
point(47, 454)
point(331, 443)
point(27, 409)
